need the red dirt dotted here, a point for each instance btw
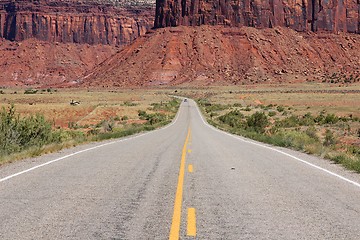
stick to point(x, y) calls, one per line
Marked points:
point(43, 64)
point(209, 55)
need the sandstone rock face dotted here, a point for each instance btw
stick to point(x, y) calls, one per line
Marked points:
point(89, 22)
point(300, 15)
point(217, 55)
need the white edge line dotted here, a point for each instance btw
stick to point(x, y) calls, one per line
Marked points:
point(89, 149)
point(276, 150)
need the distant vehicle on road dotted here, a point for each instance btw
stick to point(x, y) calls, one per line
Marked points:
point(185, 100)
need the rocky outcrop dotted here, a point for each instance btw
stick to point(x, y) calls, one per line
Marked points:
point(300, 15)
point(215, 55)
point(89, 22)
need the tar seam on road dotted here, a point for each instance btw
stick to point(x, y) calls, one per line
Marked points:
point(279, 151)
point(191, 222)
point(176, 219)
point(88, 149)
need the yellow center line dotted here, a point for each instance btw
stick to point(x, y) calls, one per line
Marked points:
point(189, 151)
point(191, 222)
point(190, 168)
point(176, 219)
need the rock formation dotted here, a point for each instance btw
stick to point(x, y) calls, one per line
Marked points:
point(44, 64)
point(215, 55)
point(91, 22)
point(300, 15)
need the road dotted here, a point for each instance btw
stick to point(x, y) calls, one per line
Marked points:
point(185, 181)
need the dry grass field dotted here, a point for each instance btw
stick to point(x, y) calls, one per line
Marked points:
point(93, 107)
point(322, 119)
point(336, 99)
point(303, 98)
point(35, 122)
point(98, 105)
point(343, 101)
point(286, 108)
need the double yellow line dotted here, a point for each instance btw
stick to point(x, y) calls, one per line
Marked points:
point(176, 219)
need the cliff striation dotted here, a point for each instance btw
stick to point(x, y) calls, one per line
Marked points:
point(300, 15)
point(91, 22)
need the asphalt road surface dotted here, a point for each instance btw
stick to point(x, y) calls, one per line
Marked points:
point(185, 181)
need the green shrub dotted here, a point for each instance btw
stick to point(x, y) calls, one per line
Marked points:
point(247, 109)
point(257, 122)
point(345, 119)
point(330, 119)
point(237, 105)
point(296, 139)
point(311, 132)
point(280, 108)
point(18, 133)
point(271, 113)
point(35, 131)
point(347, 162)
point(212, 114)
point(233, 119)
point(156, 118)
point(307, 120)
point(203, 102)
point(130, 104)
point(215, 107)
point(142, 114)
point(124, 118)
point(329, 138)
point(30, 91)
point(320, 118)
point(354, 150)
point(292, 121)
point(339, 159)
point(170, 106)
point(152, 118)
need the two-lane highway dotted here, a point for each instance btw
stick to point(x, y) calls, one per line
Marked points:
point(185, 181)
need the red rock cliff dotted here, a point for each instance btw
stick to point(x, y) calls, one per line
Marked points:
point(300, 15)
point(73, 21)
